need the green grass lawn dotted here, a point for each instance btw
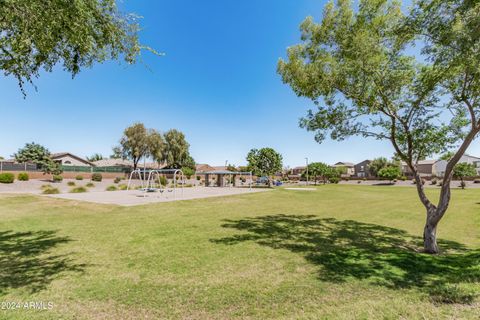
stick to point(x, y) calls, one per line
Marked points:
point(342, 252)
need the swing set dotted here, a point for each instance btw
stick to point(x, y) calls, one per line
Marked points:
point(156, 181)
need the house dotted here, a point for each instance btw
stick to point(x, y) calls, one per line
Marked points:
point(350, 167)
point(203, 167)
point(298, 170)
point(466, 158)
point(69, 159)
point(362, 170)
point(113, 163)
point(427, 168)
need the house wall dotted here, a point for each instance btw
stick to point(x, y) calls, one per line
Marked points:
point(361, 169)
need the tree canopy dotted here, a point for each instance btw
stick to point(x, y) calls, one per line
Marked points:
point(264, 162)
point(39, 34)
point(176, 152)
point(40, 155)
point(412, 79)
point(134, 143)
point(464, 170)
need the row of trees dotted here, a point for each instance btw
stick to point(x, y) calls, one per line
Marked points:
point(319, 171)
point(170, 148)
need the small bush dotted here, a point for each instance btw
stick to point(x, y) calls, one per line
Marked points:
point(433, 182)
point(7, 177)
point(403, 178)
point(359, 181)
point(57, 178)
point(476, 181)
point(111, 188)
point(198, 178)
point(47, 189)
point(452, 294)
point(90, 185)
point(79, 177)
point(70, 183)
point(23, 176)
point(163, 181)
point(122, 186)
point(463, 185)
point(334, 180)
point(97, 177)
point(117, 180)
point(78, 190)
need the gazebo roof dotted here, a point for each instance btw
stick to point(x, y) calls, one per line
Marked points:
point(223, 172)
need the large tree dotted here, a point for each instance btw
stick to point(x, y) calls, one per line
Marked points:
point(359, 69)
point(134, 143)
point(40, 155)
point(264, 162)
point(39, 34)
point(176, 152)
point(317, 170)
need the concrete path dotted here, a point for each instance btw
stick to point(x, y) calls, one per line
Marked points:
point(136, 197)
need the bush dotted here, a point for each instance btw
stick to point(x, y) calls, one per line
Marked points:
point(79, 177)
point(23, 176)
point(446, 293)
point(97, 177)
point(57, 178)
point(334, 180)
point(198, 178)
point(90, 185)
point(359, 181)
point(463, 185)
point(47, 189)
point(7, 177)
point(70, 183)
point(163, 181)
point(403, 178)
point(111, 188)
point(433, 182)
point(476, 181)
point(78, 190)
point(117, 180)
point(122, 186)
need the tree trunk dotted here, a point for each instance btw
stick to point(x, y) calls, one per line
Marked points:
point(430, 235)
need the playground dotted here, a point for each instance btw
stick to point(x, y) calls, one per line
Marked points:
point(139, 197)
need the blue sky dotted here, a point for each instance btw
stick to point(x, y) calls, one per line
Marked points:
point(217, 83)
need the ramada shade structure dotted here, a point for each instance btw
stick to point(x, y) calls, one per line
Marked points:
point(221, 175)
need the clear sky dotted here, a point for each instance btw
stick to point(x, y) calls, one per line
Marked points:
point(217, 83)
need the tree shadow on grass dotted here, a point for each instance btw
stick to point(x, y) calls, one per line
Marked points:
point(349, 249)
point(26, 262)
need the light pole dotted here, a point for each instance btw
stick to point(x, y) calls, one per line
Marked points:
point(306, 160)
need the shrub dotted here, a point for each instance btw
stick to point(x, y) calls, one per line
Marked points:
point(163, 181)
point(198, 178)
point(57, 178)
point(359, 181)
point(446, 293)
point(476, 181)
point(47, 189)
point(90, 185)
point(111, 188)
point(97, 177)
point(78, 190)
point(23, 176)
point(7, 177)
point(117, 180)
point(403, 178)
point(79, 177)
point(334, 180)
point(122, 186)
point(433, 182)
point(70, 183)
point(462, 184)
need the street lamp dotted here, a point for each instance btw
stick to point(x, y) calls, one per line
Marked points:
point(306, 160)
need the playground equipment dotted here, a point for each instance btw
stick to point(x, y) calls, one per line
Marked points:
point(151, 181)
point(219, 178)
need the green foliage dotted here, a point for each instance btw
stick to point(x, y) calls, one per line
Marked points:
point(264, 162)
point(57, 178)
point(90, 185)
point(79, 190)
point(97, 177)
point(176, 152)
point(95, 157)
point(464, 170)
point(378, 164)
point(188, 172)
point(70, 183)
point(163, 181)
point(79, 177)
point(38, 154)
point(334, 180)
point(232, 168)
point(23, 176)
point(390, 173)
point(80, 33)
point(7, 177)
point(48, 189)
point(117, 180)
point(447, 156)
point(111, 188)
point(316, 171)
point(134, 143)
point(122, 186)
point(155, 145)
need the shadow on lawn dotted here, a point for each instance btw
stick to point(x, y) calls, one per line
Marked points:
point(25, 261)
point(349, 249)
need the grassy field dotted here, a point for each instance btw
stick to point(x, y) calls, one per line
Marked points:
point(341, 252)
